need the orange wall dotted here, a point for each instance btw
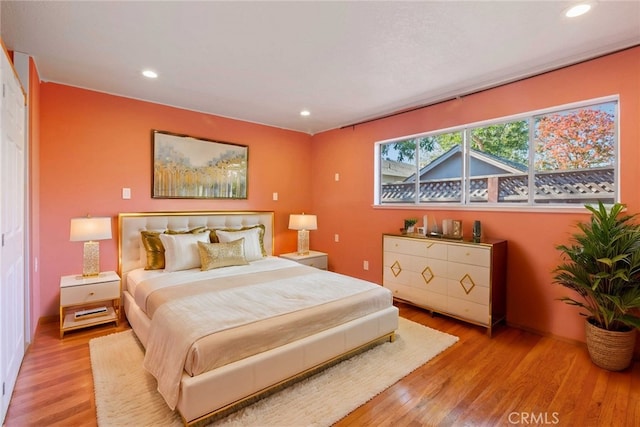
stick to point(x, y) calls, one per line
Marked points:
point(345, 207)
point(93, 144)
point(34, 190)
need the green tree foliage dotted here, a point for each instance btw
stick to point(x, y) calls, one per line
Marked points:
point(580, 139)
point(506, 140)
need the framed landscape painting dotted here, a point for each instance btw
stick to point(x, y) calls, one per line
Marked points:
point(185, 167)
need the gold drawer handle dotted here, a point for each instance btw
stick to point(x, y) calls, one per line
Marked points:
point(396, 269)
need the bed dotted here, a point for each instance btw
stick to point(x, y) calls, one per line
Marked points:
point(241, 322)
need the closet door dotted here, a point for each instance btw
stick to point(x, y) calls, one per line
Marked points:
point(12, 227)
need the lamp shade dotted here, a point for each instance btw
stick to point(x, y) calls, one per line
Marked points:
point(90, 228)
point(303, 222)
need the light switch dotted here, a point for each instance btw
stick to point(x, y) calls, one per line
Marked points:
point(126, 193)
point(275, 196)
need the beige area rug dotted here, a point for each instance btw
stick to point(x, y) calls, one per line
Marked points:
point(126, 394)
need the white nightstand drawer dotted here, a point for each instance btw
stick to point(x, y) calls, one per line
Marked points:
point(313, 259)
point(83, 294)
point(317, 262)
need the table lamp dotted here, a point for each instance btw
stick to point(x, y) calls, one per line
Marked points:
point(89, 230)
point(303, 223)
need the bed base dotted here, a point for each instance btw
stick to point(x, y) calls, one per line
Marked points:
point(255, 377)
point(248, 400)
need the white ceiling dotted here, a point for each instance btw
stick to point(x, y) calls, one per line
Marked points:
point(345, 62)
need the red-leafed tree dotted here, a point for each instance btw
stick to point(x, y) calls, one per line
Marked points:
point(579, 139)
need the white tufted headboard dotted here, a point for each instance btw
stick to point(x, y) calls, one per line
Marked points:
point(131, 224)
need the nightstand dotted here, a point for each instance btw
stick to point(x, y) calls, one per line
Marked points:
point(80, 295)
point(313, 258)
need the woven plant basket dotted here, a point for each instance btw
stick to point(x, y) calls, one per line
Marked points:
point(611, 350)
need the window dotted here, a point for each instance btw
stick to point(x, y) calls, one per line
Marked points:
point(556, 157)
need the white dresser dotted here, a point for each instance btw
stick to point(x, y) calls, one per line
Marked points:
point(464, 280)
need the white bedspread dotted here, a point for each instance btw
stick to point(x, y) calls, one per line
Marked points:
point(272, 290)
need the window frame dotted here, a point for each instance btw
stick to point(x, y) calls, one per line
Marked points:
point(465, 129)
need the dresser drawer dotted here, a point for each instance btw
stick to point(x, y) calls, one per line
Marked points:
point(405, 246)
point(467, 291)
point(480, 276)
point(477, 313)
point(418, 247)
point(82, 294)
point(469, 255)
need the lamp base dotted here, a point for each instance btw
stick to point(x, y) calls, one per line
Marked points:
point(303, 242)
point(91, 259)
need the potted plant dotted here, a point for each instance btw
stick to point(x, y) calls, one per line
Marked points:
point(602, 264)
point(409, 224)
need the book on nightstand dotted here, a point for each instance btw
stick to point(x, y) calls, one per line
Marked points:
point(90, 312)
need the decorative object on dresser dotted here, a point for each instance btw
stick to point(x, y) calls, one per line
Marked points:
point(409, 224)
point(313, 259)
point(303, 223)
point(477, 231)
point(460, 279)
point(89, 301)
point(602, 264)
point(89, 230)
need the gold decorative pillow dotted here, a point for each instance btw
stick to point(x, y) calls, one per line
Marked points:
point(213, 235)
point(154, 248)
point(216, 255)
point(192, 231)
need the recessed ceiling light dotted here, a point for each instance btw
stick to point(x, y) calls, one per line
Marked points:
point(305, 113)
point(150, 74)
point(577, 10)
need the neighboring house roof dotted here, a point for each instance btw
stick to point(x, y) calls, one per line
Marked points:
point(396, 171)
point(453, 156)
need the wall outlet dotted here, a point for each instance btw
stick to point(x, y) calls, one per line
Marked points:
point(275, 196)
point(336, 238)
point(126, 193)
point(337, 176)
point(365, 265)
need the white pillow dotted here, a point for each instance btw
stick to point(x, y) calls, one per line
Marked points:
point(252, 248)
point(181, 250)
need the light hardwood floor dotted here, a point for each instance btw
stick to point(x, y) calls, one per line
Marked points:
point(514, 378)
